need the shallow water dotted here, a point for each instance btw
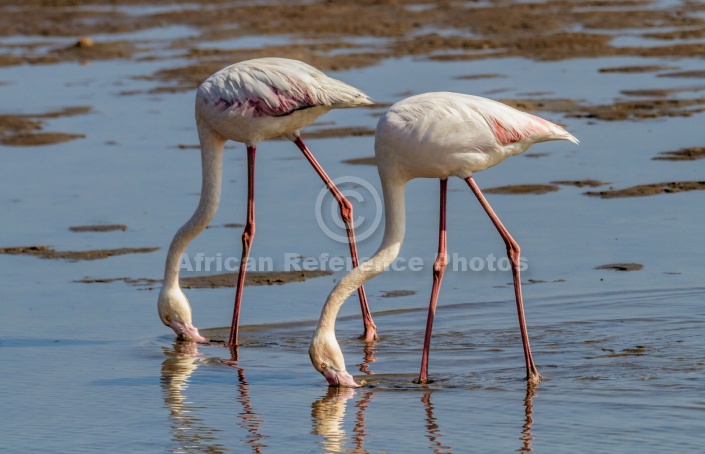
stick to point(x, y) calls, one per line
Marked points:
point(90, 367)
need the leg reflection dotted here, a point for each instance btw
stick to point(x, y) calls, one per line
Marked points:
point(359, 429)
point(526, 436)
point(249, 419)
point(433, 432)
point(369, 358)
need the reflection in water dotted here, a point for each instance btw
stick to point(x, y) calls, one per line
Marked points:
point(359, 428)
point(368, 358)
point(433, 432)
point(526, 436)
point(188, 431)
point(327, 415)
point(250, 420)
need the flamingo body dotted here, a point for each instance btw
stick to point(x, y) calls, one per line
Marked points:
point(248, 102)
point(433, 135)
point(439, 135)
point(268, 98)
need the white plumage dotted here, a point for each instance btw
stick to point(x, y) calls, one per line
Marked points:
point(249, 102)
point(434, 135)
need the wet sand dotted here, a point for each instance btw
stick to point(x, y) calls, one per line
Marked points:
point(437, 30)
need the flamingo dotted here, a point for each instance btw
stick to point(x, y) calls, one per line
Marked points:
point(248, 102)
point(434, 135)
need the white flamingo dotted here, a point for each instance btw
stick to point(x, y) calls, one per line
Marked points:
point(249, 102)
point(434, 135)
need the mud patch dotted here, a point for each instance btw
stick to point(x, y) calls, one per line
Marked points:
point(369, 161)
point(232, 225)
point(661, 92)
point(46, 252)
point(218, 280)
point(140, 282)
point(398, 293)
point(523, 189)
point(642, 109)
point(542, 281)
point(251, 278)
point(98, 228)
point(695, 74)
point(618, 111)
point(23, 130)
point(85, 49)
point(638, 350)
point(637, 69)
point(581, 183)
point(644, 190)
point(621, 267)
point(684, 154)
point(354, 131)
point(536, 155)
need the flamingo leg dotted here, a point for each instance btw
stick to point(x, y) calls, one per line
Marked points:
point(439, 267)
point(513, 252)
point(248, 235)
point(346, 213)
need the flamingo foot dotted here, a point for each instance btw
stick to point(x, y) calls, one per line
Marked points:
point(533, 378)
point(370, 334)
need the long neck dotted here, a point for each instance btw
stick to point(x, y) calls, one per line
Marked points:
point(212, 169)
point(394, 227)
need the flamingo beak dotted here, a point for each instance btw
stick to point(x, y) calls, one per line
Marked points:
point(187, 332)
point(339, 378)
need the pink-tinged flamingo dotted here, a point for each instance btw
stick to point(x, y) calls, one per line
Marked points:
point(434, 135)
point(249, 102)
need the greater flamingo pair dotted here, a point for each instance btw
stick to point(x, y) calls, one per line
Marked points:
point(434, 135)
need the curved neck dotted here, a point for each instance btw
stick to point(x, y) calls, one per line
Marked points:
point(212, 146)
point(394, 228)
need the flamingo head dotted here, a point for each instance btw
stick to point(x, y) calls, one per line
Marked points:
point(327, 358)
point(175, 312)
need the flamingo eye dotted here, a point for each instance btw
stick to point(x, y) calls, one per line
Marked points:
point(324, 365)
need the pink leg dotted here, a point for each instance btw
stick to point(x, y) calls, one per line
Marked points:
point(513, 251)
point(346, 212)
point(247, 236)
point(439, 267)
